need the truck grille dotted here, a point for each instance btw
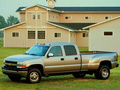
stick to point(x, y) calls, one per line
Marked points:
point(10, 66)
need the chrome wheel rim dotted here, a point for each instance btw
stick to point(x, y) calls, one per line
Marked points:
point(34, 76)
point(105, 73)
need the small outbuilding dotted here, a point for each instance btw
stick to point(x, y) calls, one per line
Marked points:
point(105, 36)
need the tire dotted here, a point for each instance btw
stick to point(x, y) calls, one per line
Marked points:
point(79, 75)
point(14, 77)
point(34, 76)
point(103, 73)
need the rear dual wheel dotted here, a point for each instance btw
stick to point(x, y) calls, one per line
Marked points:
point(103, 72)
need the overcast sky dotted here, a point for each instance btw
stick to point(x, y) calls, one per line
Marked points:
point(8, 7)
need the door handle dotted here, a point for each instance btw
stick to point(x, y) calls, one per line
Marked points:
point(76, 58)
point(62, 59)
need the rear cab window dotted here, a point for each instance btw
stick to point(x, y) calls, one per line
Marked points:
point(70, 50)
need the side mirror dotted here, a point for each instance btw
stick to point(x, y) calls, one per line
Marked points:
point(50, 55)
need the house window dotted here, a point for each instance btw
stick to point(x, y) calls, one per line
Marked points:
point(108, 17)
point(31, 34)
point(38, 16)
point(41, 34)
point(33, 16)
point(15, 34)
point(88, 17)
point(85, 35)
point(57, 34)
point(68, 17)
point(108, 33)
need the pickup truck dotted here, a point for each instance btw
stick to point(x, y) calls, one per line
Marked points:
point(57, 59)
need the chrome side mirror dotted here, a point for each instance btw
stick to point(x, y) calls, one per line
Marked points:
point(50, 55)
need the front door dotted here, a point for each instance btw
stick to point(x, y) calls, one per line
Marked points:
point(56, 63)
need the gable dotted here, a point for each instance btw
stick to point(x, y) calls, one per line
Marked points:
point(112, 24)
point(35, 8)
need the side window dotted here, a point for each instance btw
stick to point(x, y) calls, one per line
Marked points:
point(31, 34)
point(70, 50)
point(56, 51)
point(15, 34)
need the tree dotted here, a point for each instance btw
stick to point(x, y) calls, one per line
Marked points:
point(12, 20)
point(2, 22)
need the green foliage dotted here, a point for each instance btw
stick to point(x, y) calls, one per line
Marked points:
point(2, 22)
point(12, 20)
point(63, 82)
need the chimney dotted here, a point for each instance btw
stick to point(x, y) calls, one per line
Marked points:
point(51, 3)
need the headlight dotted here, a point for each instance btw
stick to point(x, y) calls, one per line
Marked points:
point(21, 65)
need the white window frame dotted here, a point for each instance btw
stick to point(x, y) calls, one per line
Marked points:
point(69, 17)
point(86, 35)
point(89, 17)
point(109, 17)
point(37, 35)
point(108, 35)
point(58, 37)
point(27, 35)
point(15, 32)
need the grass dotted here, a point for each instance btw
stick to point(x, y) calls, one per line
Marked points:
point(1, 39)
point(62, 82)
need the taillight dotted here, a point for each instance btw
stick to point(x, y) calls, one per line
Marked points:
point(117, 57)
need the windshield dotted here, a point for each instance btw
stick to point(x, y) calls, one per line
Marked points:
point(38, 50)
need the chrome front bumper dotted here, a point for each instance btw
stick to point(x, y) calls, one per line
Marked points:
point(21, 72)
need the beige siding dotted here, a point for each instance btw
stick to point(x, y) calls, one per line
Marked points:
point(23, 41)
point(80, 18)
point(35, 11)
point(97, 40)
point(81, 41)
point(14, 41)
point(73, 37)
point(22, 17)
point(53, 17)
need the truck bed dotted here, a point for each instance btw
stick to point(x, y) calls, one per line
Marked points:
point(94, 52)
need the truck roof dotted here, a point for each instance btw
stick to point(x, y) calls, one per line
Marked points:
point(59, 43)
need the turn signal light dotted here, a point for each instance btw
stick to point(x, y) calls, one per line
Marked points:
point(23, 67)
point(117, 57)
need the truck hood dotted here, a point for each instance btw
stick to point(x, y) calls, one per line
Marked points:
point(22, 57)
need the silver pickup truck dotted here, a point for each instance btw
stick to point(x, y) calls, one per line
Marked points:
point(56, 59)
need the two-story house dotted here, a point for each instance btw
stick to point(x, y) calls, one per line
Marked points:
point(40, 24)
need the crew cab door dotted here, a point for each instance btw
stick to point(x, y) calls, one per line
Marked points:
point(72, 60)
point(56, 62)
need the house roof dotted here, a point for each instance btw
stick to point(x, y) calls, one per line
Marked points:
point(88, 8)
point(20, 9)
point(13, 25)
point(71, 26)
point(89, 26)
point(76, 9)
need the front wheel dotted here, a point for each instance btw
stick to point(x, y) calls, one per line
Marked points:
point(34, 76)
point(79, 75)
point(103, 73)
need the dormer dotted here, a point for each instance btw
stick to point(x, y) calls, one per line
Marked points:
point(51, 3)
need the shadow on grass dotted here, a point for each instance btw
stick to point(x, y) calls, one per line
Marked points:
point(52, 79)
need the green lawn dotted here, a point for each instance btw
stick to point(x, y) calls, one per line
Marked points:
point(57, 82)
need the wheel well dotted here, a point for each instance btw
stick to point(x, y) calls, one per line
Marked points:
point(108, 63)
point(40, 67)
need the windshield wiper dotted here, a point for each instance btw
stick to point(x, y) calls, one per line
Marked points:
point(34, 54)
